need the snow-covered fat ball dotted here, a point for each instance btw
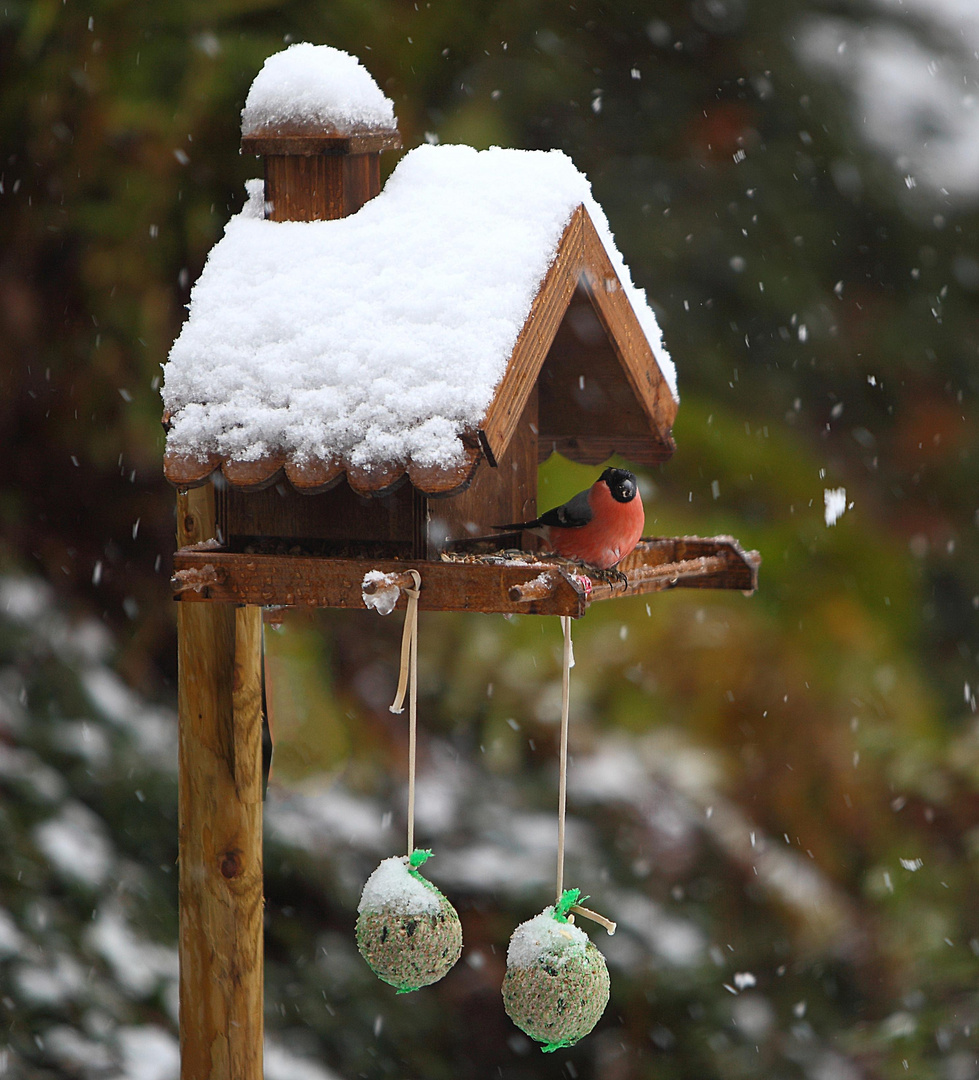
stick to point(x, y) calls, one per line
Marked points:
point(407, 931)
point(556, 985)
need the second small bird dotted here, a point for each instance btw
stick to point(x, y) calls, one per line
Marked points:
point(599, 526)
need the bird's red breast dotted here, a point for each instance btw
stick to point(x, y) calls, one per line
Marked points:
point(614, 530)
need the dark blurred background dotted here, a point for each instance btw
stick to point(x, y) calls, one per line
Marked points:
point(778, 797)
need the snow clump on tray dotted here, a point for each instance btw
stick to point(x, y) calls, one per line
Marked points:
point(386, 592)
point(391, 888)
point(379, 337)
point(316, 85)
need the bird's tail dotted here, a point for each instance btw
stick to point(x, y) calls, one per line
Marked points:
point(518, 526)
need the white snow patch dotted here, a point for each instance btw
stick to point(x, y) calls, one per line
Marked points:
point(149, 1053)
point(139, 965)
point(85, 739)
point(384, 598)
point(154, 730)
point(283, 1064)
point(11, 939)
point(835, 500)
point(378, 337)
point(544, 936)
point(316, 86)
point(75, 844)
point(25, 767)
point(677, 942)
point(911, 99)
point(76, 1053)
point(60, 979)
point(24, 599)
point(392, 888)
point(322, 820)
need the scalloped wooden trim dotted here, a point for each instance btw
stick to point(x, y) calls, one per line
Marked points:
point(253, 475)
point(314, 476)
point(377, 481)
point(188, 470)
point(431, 480)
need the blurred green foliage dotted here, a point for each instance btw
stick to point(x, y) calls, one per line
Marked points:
point(823, 314)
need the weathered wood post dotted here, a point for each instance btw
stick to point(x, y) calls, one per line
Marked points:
point(220, 814)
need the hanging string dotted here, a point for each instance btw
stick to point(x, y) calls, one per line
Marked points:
point(562, 798)
point(408, 681)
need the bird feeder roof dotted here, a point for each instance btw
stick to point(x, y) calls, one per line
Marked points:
point(404, 338)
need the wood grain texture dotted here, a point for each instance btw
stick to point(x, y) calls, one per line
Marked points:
point(188, 471)
point(253, 475)
point(615, 311)
point(339, 515)
point(307, 581)
point(497, 495)
point(303, 140)
point(433, 480)
point(596, 449)
point(534, 340)
point(314, 476)
point(220, 828)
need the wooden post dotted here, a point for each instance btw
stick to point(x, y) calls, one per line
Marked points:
point(220, 813)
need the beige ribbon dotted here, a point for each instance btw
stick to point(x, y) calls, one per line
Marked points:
point(562, 797)
point(408, 681)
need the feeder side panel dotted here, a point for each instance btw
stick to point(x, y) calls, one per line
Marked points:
point(496, 496)
point(347, 522)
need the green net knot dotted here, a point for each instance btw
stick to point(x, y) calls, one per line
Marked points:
point(550, 1047)
point(418, 858)
point(569, 898)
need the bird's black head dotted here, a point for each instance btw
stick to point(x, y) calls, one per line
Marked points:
point(621, 483)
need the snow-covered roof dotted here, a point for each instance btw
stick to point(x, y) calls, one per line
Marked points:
point(315, 86)
point(381, 337)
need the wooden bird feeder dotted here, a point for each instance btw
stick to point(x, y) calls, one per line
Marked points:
point(281, 528)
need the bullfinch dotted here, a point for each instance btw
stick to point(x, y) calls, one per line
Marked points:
point(599, 526)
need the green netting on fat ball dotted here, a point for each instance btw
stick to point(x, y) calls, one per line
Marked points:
point(557, 1002)
point(417, 858)
point(410, 951)
point(569, 898)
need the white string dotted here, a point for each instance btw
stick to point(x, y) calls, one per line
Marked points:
point(562, 798)
point(408, 680)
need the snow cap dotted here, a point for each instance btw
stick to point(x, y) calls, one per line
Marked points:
point(393, 888)
point(316, 86)
point(545, 936)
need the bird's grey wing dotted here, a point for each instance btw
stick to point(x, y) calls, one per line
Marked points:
point(573, 514)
